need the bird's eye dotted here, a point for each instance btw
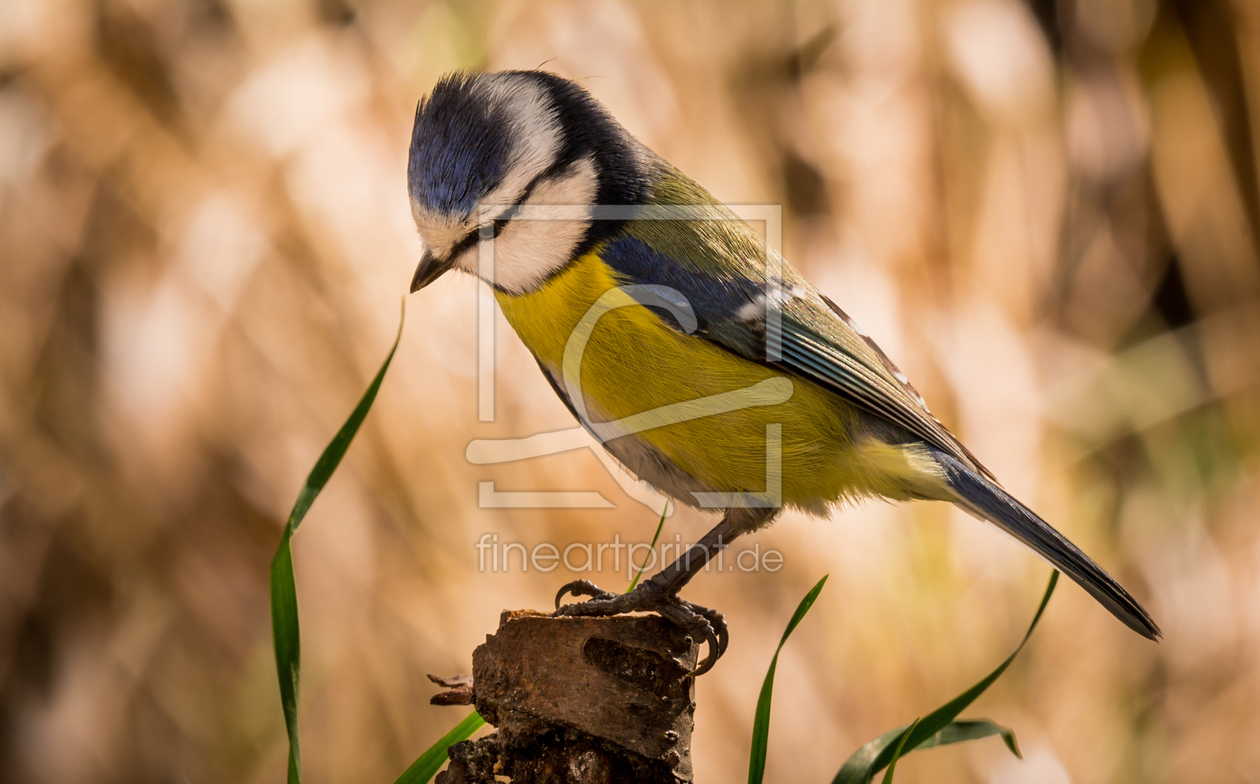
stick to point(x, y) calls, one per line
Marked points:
point(493, 229)
point(487, 231)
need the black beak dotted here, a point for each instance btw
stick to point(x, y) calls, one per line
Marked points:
point(431, 268)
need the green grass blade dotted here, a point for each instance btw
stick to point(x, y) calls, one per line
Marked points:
point(954, 732)
point(284, 610)
point(655, 538)
point(976, 729)
point(901, 745)
point(861, 766)
point(876, 755)
point(285, 637)
point(430, 762)
point(761, 720)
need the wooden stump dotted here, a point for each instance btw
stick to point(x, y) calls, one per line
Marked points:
point(579, 701)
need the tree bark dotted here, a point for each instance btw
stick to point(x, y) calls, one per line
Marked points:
point(578, 701)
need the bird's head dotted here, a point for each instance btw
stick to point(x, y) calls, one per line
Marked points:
point(484, 145)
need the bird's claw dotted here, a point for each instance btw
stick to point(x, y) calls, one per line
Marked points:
point(650, 597)
point(582, 588)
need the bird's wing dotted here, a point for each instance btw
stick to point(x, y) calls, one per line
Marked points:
point(718, 267)
point(821, 342)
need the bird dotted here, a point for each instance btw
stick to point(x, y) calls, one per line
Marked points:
point(699, 359)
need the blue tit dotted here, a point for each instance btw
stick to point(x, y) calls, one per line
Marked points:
point(703, 364)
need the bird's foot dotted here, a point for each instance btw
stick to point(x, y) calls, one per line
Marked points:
point(649, 596)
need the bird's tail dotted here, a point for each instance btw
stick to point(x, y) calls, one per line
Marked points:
point(982, 497)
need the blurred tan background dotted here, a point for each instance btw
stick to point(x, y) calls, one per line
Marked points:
point(1048, 214)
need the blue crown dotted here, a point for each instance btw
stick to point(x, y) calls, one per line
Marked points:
point(459, 146)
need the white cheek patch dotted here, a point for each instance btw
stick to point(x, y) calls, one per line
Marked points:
point(532, 248)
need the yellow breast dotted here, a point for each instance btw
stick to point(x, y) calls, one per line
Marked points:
point(700, 405)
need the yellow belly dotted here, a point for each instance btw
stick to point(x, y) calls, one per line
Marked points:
point(631, 362)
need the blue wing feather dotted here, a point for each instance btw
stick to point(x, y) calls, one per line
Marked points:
point(818, 342)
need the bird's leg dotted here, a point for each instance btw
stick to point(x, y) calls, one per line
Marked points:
point(660, 595)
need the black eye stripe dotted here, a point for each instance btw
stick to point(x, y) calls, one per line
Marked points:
point(510, 212)
point(467, 242)
point(499, 223)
